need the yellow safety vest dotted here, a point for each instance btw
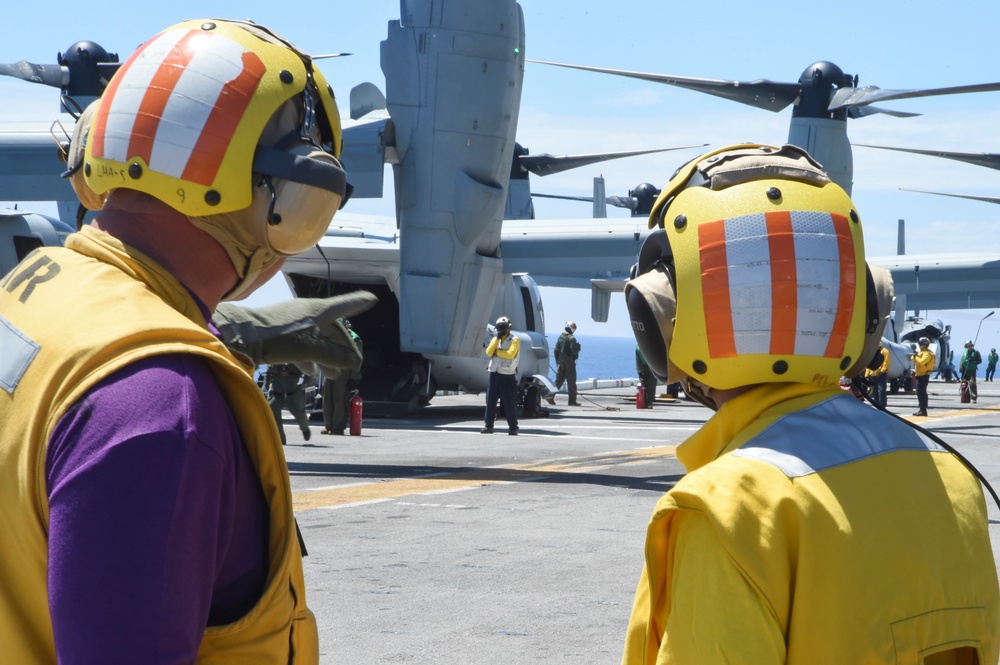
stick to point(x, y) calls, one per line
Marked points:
point(812, 529)
point(69, 317)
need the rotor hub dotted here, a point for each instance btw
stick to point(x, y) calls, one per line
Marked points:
point(819, 82)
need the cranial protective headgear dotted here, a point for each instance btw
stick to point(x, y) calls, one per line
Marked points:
point(75, 156)
point(503, 325)
point(570, 327)
point(232, 126)
point(755, 273)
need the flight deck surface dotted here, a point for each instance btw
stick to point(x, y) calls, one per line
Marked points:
point(432, 543)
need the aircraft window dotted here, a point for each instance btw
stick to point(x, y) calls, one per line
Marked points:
point(529, 311)
point(24, 245)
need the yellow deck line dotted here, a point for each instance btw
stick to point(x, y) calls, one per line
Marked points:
point(974, 411)
point(391, 489)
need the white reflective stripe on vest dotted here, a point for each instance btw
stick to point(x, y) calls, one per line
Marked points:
point(829, 434)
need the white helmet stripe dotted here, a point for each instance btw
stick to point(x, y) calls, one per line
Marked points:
point(817, 261)
point(120, 114)
point(204, 78)
point(749, 268)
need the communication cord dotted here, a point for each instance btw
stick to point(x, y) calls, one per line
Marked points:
point(864, 390)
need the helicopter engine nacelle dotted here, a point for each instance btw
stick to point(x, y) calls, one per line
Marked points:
point(23, 232)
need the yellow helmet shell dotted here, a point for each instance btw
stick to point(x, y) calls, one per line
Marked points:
point(182, 117)
point(770, 275)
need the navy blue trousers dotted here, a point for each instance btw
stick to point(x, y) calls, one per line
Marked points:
point(501, 387)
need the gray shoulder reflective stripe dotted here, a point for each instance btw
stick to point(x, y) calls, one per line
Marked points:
point(17, 350)
point(834, 432)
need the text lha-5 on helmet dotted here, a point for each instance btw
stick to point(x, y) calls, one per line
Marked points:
point(755, 273)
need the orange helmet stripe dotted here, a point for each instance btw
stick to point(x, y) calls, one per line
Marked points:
point(848, 285)
point(220, 126)
point(100, 125)
point(784, 282)
point(158, 93)
point(715, 289)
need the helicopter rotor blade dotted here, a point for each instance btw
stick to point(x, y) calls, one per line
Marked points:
point(546, 164)
point(990, 160)
point(847, 97)
point(762, 93)
point(986, 199)
point(628, 202)
point(51, 75)
point(865, 111)
point(563, 197)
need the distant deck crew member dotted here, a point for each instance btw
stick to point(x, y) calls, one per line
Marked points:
point(566, 352)
point(286, 390)
point(646, 377)
point(969, 367)
point(923, 364)
point(877, 373)
point(337, 390)
point(504, 353)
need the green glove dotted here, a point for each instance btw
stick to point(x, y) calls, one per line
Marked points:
point(300, 331)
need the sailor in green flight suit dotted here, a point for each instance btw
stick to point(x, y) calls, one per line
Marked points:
point(566, 352)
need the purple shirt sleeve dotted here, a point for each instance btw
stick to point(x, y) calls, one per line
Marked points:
point(158, 524)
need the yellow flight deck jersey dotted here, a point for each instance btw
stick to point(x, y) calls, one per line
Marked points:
point(813, 529)
point(923, 362)
point(883, 353)
point(504, 354)
point(123, 307)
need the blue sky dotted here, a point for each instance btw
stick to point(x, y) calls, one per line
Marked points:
point(891, 44)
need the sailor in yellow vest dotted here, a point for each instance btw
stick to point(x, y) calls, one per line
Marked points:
point(141, 471)
point(809, 528)
point(923, 364)
point(877, 373)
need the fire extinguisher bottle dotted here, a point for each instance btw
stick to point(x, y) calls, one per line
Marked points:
point(356, 414)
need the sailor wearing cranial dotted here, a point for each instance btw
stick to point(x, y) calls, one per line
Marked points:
point(146, 486)
point(256, 166)
point(810, 528)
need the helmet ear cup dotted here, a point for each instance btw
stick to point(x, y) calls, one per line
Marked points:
point(90, 199)
point(652, 306)
point(301, 212)
point(879, 295)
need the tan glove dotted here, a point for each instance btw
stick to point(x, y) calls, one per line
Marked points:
point(300, 331)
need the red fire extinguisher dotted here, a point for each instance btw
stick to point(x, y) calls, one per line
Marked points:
point(963, 391)
point(640, 396)
point(356, 409)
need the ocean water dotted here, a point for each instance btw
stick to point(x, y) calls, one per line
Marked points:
point(600, 357)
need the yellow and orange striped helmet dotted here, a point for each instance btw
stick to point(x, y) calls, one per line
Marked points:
point(766, 260)
point(182, 118)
